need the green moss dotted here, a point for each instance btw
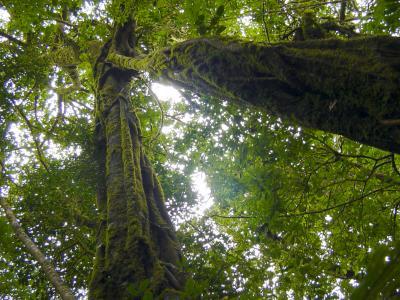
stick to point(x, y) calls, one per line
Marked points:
point(130, 253)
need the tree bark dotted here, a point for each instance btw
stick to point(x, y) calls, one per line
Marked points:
point(136, 243)
point(347, 87)
point(62, 289)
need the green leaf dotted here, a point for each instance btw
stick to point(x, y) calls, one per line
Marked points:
point(202, 29)
point(200, 20)
point(220, 10)
point(147, 295)
point(219, 29)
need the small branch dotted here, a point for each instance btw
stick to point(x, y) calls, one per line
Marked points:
point(41, 156)
point(264, 22)
point(7, 177)
point(287, 35)
point(154, 96)
point(231, 217)
point(175, 118)
point(339, 154)
point(81, 219)
point(85, 106)
point(31, 128)
point(313, 212)
point(75, 27)
point(342, 13)
point(59, 117)
point(390, 122)
point(49, 270)
point(394, 166)
point(11, 38)
point(396, 208)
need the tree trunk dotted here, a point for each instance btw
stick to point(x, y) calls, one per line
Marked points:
point(137, 251)
point(348, 87)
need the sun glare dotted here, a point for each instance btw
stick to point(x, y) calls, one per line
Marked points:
point(167, 93)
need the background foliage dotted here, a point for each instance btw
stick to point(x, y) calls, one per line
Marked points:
point(296, 213)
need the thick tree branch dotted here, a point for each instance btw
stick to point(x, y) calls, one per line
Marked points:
point(341, 86)
point(50, 272)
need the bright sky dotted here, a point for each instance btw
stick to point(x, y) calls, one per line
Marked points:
point(199, 180)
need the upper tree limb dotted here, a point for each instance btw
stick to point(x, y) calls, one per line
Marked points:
point(344, 87)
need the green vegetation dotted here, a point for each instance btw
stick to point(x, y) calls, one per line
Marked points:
point(289, 108)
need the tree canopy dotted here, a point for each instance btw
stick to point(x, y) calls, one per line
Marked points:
point(305, 194)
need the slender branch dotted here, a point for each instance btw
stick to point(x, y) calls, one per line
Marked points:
point(154, 96)
point(49, 270)
point(58, 119)
point(390, 122)
point(264, 22)
point(11, 38)
point(300, 7)
point(81, 104)
point(175, 118)
point(39, 151)
point(394, 166)
point(231, 217)
point(395, 219)
point(286, 35)
point(75, 27)
point(342, 13)
point(6, 176)
point(335, 152)
point(313, 212)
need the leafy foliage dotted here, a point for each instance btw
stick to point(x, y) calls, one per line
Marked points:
point(297, 213)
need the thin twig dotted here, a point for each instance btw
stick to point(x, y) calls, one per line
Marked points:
point(59, 117)
point(160, 126)
point(12, 39)
point(395, 219)
point(75, 27)
point(265, 23)
point(394, 166)
point(231, 217)
point(313, 212)
point(31, 128)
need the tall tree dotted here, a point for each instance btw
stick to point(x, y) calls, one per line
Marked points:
point(136, 239)
point(99, 53)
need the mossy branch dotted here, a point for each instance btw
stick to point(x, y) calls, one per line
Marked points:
point(345, 87)
point(139, 63)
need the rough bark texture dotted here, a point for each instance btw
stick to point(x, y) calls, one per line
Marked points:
point(62, 289)
point(348, 87)
point(136, 239)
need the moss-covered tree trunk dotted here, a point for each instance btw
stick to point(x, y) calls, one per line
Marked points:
point(136, 240)
point(349, 87)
